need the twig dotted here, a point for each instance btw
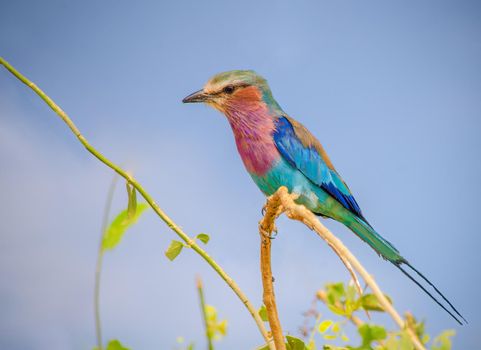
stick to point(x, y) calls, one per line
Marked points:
point(301, 213)
point(100, 255)
point(313, 331)
point(172, 225)
point(208, 335)
point(272, 209)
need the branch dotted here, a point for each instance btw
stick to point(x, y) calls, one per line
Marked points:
point(266, 227)
point(285, 203)
point(172, 225)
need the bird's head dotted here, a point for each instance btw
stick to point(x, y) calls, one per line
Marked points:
point(233, 90)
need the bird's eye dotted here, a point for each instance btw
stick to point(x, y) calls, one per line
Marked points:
point(229, 89)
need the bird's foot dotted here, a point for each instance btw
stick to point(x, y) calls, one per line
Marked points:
point(264, 209)
point(274, 231)
point(269, 235)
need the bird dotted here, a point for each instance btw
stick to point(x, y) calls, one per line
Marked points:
point(279, 151)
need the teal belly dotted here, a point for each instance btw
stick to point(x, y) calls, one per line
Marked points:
point(283, 174)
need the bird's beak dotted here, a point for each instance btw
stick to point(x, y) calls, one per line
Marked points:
point(198, 96)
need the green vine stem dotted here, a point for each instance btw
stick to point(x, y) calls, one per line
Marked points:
point(203, 308)
point(100, 258)
point(130, 179)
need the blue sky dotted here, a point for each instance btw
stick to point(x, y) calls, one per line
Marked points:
point(392, 90)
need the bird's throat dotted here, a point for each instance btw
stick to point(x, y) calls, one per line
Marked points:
point(253, 126)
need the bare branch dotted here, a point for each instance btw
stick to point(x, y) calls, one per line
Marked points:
point(272, 209)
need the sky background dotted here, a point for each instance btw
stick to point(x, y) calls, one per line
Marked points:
point(392, 90)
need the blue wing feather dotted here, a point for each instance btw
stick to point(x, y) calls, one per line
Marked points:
point(310, 162)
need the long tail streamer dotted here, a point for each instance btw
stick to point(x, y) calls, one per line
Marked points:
point(428, 293)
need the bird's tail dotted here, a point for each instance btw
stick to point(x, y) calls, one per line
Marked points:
point(387, 251)
point(382, 246)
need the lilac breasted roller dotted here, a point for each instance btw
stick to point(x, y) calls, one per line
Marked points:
point(279, 151)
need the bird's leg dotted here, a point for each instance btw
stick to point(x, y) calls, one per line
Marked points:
point(270, 212)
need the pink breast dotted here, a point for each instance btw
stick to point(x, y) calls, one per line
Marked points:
point(258, 156)
point(252, 127)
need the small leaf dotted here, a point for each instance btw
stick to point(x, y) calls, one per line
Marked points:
point(203, 237)
point(335, 292)
point(114, 233)
point(263, 313)
point(116, 345)
point(132, 203)
point(344, 337)
point(222, 327)
point(351, 292)
point(211, 312)
point(329, 336)
point(324, 326)
point(405, 342)
point(370, 302)
point(336, 327)
point(443, 341)
point(337, 310)
point(370, 333)
point(174, 249)
point(294, 343)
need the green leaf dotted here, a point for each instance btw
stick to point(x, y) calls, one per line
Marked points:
point(215, 329)
point(337, 310)
point(294, 343)
point(132, 203)
point(114, 233)
point(222, 327)
point(174, 249)
point(263, 313)
point(370, 302)
point(203, 237)
point(370, 333)
point(115, 345)
point(324, 326)
point(443, 341)
point(350, 306)
point(335, 292)
point(351, 292)
point(405, 342)
point(336, 327)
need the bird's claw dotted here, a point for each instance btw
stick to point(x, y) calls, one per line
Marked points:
point(264, 210)
point(274, 232)
point(269, 235)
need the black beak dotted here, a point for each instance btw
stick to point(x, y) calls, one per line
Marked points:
point(198, 96)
